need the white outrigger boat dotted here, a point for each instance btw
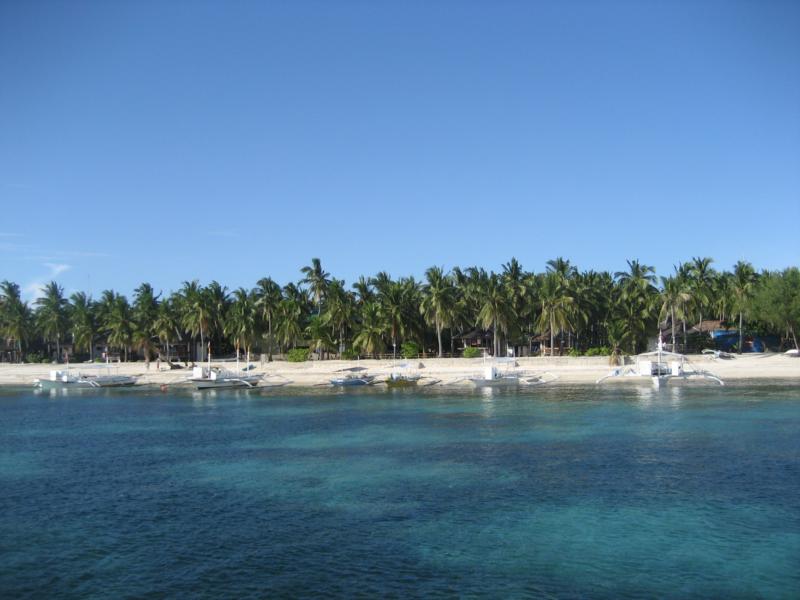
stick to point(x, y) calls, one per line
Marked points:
point(212, 378)
point(492, 376)
point(207, 378)
point(65, 378)
point(660, 367)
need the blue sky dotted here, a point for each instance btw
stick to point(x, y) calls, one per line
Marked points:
point(167, 141)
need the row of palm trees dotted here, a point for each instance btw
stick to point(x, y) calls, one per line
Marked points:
point(559, 307)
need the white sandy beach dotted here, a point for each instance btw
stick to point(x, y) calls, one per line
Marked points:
point(444, 371)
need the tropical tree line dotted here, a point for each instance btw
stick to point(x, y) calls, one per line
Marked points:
point(554, 310)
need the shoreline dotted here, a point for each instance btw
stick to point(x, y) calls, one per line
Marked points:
point(435, 371)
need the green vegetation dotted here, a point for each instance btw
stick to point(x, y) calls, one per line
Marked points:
point(298, 355)
point(472, 352)
point(599, 351)
point(558, 311)
point(348, 354)
point(410, 350)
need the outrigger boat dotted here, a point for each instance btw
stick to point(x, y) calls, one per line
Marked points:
point(207, 378)
point(494, 377)
point(660, 367)
point(402, 377)
point(67, 379)
point(716, 354)
point(212, 378)
point(351, 378)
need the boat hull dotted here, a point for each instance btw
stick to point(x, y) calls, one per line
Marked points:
point(216, 384)
point(502, 382)
point(350, 382)
point(46, 384)
point(114, 381)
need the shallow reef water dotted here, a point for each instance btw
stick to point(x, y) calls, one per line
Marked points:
point(566, 492)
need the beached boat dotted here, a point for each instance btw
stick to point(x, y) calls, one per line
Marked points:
point(402, 376)
point(716, 354)
point(493, 376)
point(66, 378)
point(660, 367)
point(402, 380)
point(205, 378)
point(352, 380)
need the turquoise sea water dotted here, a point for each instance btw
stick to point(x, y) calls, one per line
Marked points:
point(556, 492)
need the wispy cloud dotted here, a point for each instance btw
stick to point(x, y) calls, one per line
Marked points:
point(66, 255)
point(57, 268)
point(33, 290)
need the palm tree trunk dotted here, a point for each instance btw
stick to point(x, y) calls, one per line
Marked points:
point(685, 342)
point(439, 337)
point(269, 345)
point(741, 333)
point(673, 328)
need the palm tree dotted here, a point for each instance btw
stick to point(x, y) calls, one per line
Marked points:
point(82, 322)
point(743, 288)
point(673, 301)
point(369, 338)
point(120, 325)
point(702, 277)
point(637, 282)
point(555, 302)
point(398, 308)
point(683, 276)
point(298, 295)
point(495, 310)
point(381, 282)
point(241, 320)
point(562, 268)
point(218, 301)
point(517, 289)
point(196, 312)
point(721, 294)
point(319, 336)
point(617, 338)
point(339, 310)
point(364, 291)
point(268, 297)
point(289, 329)
point(437, 301)
point(51, 315)
point(15, 316)
point(635, 299)
point(145, 310)
point(167, 324)
point(317, 280)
